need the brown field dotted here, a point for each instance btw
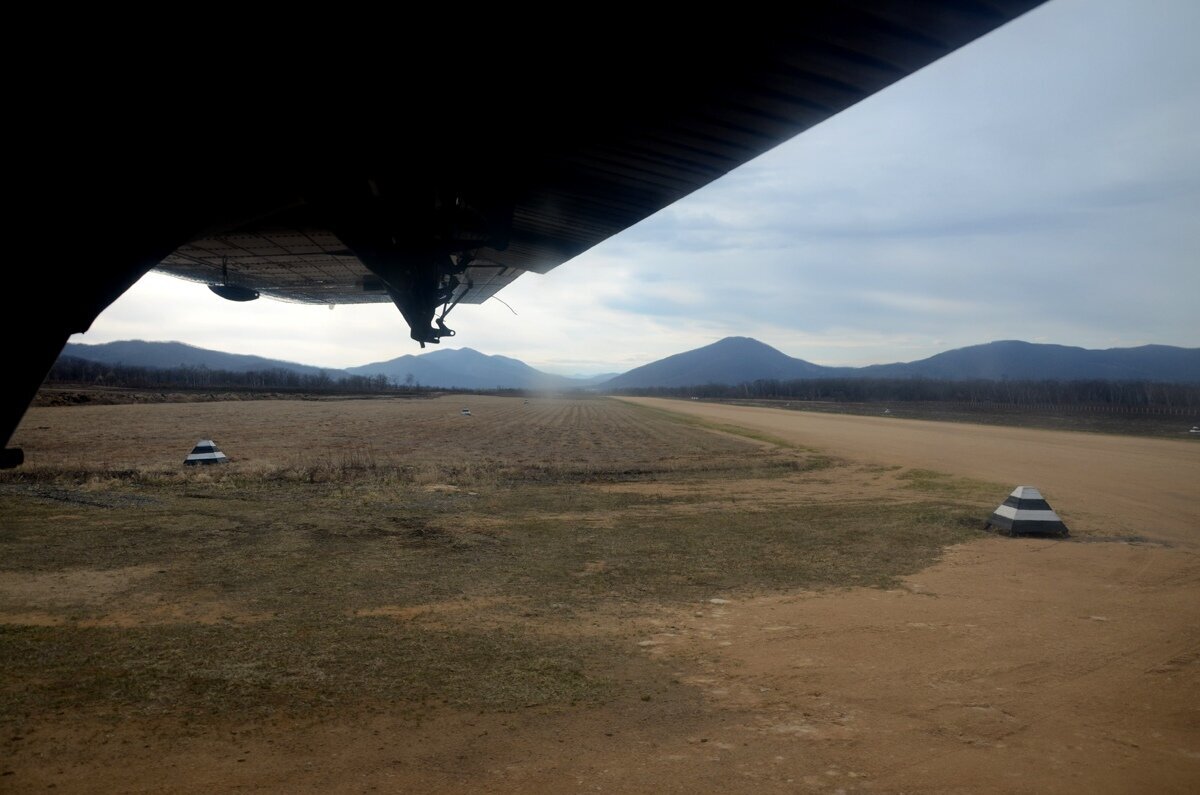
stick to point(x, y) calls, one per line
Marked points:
point(382, 595)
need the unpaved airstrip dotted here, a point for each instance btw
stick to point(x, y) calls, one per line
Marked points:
point(1012, 665)
point(1007, 665)
point(1109, 484)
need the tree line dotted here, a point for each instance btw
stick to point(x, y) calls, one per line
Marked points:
point(1046, 393)
point(73, 370)
point(1124, 394)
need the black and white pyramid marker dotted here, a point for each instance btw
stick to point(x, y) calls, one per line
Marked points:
point(1026, 512)
point(205, 452)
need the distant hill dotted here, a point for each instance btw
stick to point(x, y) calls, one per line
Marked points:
point(1016, 360)
point(164, 355)
point(736, 360)
point(733, 360)
point(462, 369)
point(466, 368)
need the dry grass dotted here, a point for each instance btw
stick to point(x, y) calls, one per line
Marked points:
point(395, 555)
point(926, 481)
point(1063, 418)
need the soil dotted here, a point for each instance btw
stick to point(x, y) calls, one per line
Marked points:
point(1011, 665)
point(1118, 485)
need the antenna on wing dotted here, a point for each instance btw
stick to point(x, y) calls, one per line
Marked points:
point(501, 300)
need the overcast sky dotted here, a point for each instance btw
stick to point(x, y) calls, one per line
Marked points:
point(1042, 183)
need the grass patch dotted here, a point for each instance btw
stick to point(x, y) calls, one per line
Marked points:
point(311, 558)
point(1063, 418)
point(720, 427)
point(941, 484)
point(484, 581)
point(286, 667)
point(687, 558)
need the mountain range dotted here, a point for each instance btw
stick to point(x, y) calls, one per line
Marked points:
point(461, 368)
point(732, 360)
point(164, 355)
point(736, 360)
point(466, 368)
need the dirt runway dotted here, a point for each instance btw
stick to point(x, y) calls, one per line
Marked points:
point(1104, 484)
point(1010, 665)
point(1014, 665)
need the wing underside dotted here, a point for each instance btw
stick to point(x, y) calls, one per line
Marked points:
point(308, 266)
point(458, 202)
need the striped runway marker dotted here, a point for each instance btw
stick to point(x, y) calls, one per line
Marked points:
point(205, 452)
point(1026, 512)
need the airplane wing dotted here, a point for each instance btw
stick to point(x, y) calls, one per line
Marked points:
point(428, 164)
point(539, 176)
point(308, 266)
